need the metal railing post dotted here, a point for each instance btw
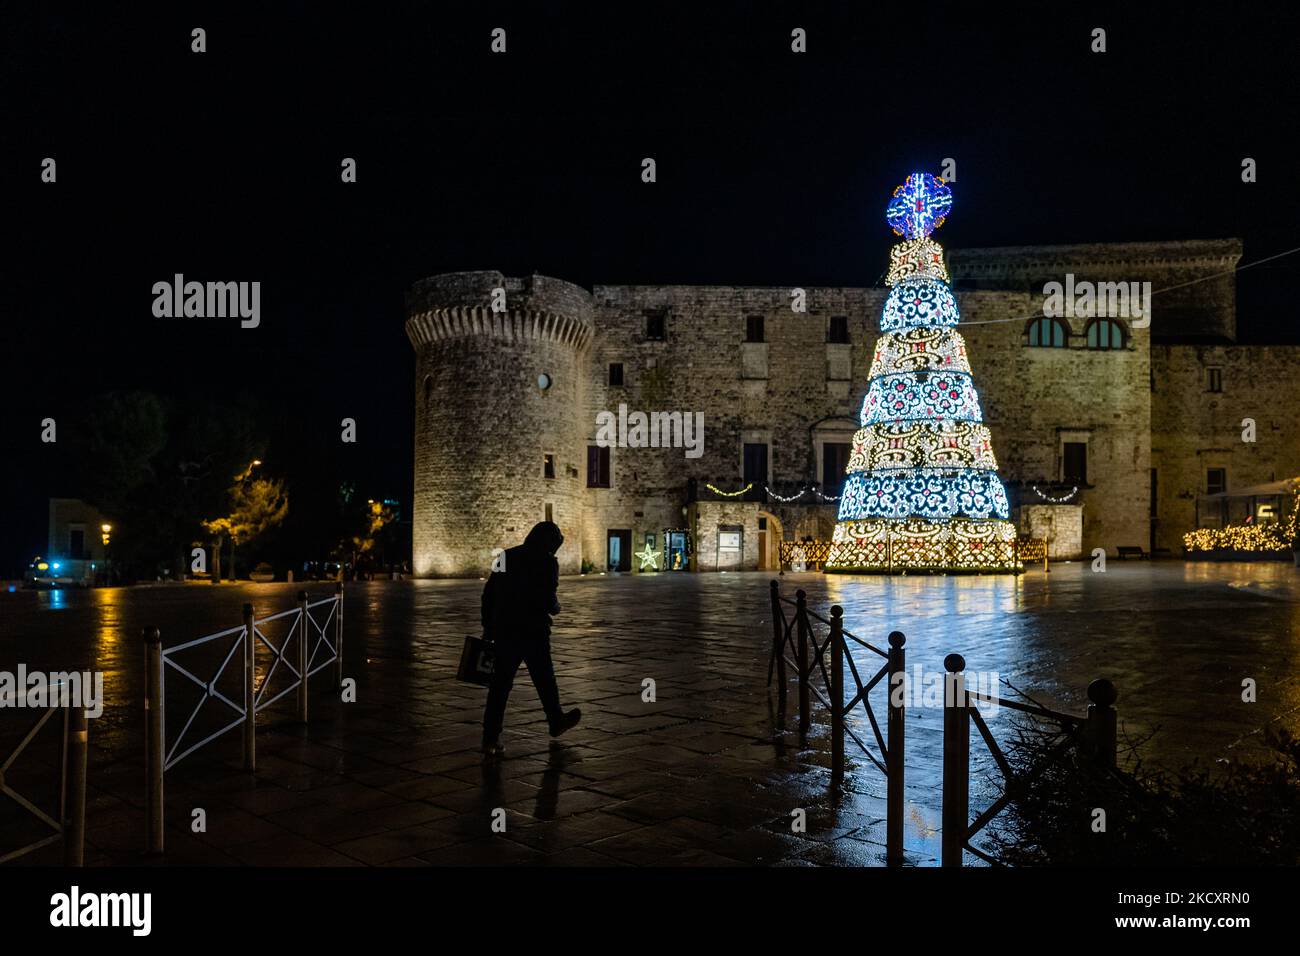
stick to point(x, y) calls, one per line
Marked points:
point(894, 771)
point(956, 761)
point(250, 690)
point(302, 656)
point(338, 636)
point(778, 645)
point(837, 694)
point(801, 622)
point(1101, 730)
point(154, 742)
point(74, 826)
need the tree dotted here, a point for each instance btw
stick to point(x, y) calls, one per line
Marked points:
point(922, 490)
point(256, 505)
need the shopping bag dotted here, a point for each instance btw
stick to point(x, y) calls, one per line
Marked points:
point(477, 660)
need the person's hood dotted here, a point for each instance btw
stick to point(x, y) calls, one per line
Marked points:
point(545, 536)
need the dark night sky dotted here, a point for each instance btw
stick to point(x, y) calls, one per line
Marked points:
point(773, 170)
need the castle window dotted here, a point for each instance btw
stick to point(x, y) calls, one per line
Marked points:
point(1047, 333)
point(837, 332)
point(1105, 334)
point(1216, 481)
point(548, 466)
point(428, 387)
point(655, 327)
point(754, 328)
point(597, 466)
point(1214, 380)
point(616, 373)
point(1074, 462)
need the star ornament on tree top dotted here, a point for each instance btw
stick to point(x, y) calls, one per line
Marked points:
point(919, 206)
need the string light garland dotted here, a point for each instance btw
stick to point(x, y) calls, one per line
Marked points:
point(795, 497)
point(1057, 501)
point(921, 489)
point(729, 494)
point(1277, 538)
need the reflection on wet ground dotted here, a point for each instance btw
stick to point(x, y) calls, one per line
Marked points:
point(702, 775)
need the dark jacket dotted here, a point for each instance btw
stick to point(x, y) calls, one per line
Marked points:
point(518, 600)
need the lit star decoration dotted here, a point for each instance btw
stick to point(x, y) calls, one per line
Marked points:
point(921, 489)
point(919, 206)
point(649, 558)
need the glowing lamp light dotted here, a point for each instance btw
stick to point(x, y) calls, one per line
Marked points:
point(42, 566)
point(919, 206)
point(56, 565)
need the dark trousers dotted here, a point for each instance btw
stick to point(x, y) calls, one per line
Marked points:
point(536, 653)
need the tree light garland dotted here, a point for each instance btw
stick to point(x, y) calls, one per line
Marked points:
point(1057, 501)
point(729, 494)
point(921, 489)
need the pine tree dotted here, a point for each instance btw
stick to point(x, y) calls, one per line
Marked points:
point(922, 491)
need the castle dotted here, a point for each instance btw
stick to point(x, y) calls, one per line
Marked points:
point(1110, 432)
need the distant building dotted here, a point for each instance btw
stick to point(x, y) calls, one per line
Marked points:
point(75, 531)
point(1105, 429)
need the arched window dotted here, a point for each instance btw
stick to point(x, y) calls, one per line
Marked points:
point(428, 388)
point(1048, 333)
point(1106, 334)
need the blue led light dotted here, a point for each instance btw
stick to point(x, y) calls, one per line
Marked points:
point(919, 206)
point(929, 396)
point(931, 493)
point(914, 303)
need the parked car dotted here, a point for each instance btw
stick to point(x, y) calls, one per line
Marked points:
point(59, 573)
point(263, 572)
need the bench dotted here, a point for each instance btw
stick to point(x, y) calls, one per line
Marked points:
point(1130, 551)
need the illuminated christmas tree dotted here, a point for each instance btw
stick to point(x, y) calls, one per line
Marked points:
point(922, 491)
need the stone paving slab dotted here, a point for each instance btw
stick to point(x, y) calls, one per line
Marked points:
point(705, 775)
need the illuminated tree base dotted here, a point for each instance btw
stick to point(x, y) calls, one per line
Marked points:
point(918, 544)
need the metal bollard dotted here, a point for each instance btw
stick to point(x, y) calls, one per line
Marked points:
point(250, 690)
point(801, 622)
point(956, 761)
point(74, 833)
point(302, 656)
point(338, 636)
point(1101, 729)
point(894, 771)
point(778, 648)
point(154, 742)
point(837, 694)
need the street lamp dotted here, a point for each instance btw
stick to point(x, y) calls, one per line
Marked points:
point(105, 530)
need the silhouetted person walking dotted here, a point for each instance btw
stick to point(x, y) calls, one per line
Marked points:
point(518, 602)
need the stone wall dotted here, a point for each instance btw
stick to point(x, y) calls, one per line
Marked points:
point(1194, 429)
point(1061, 526)
point(483, 424)
point(1036, 399)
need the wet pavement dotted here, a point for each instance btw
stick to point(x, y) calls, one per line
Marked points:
point(706, 774)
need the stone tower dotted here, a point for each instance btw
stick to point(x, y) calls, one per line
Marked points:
point(500, 436)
